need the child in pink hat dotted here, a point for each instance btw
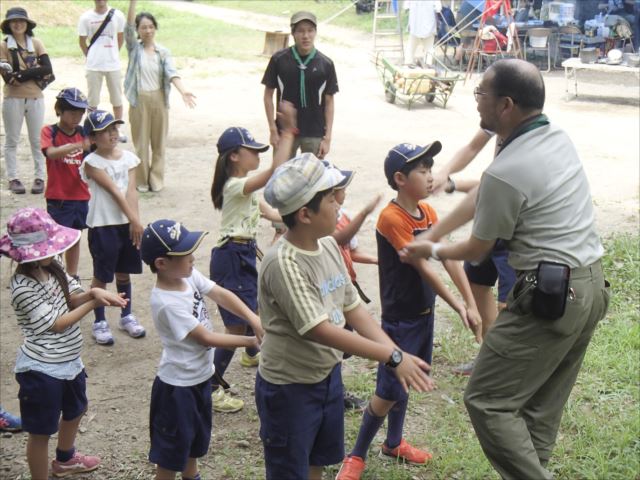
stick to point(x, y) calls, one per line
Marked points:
point(48, 305)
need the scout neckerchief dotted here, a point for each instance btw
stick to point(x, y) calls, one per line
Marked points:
point(303, 66)
point(526, 126)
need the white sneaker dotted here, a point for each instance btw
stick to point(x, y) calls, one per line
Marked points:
point(129, 323)
point(142, 188)
point(102, 333)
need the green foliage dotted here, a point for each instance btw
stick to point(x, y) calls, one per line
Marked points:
point(184, 34)
point(322, 10)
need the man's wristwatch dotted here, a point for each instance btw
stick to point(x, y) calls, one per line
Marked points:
point(395, 359)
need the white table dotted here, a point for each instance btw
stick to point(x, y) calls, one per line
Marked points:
point(572, 65)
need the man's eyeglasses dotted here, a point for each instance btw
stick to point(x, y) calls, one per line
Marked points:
point(477, 93)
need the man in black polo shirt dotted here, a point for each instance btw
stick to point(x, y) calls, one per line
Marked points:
point(307, 78)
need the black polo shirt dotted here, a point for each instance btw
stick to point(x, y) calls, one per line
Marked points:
point(283, 74)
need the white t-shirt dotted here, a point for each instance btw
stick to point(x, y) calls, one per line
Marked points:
point(104, 55)
point(184, 361)
point(103, 209)
point(150, 72)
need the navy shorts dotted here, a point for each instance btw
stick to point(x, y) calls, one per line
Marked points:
point(180, 423)
point(69, 213)
point(43, 398)
point(112, 251)
point(233, 266)
point(494, 267)
point(412, 335)
point(301, 425)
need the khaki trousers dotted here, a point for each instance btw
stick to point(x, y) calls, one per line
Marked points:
point(149, 122)
point(525, 371)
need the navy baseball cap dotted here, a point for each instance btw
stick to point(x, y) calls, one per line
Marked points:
point(164, 238)
point(405, 153)
point(98, 120)
point(235, 137)
point(73, 97)
point(347, 174)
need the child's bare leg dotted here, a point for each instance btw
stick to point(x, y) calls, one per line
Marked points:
point(236, 329)
point(191, 470)
point(72, 259)
point(37, 455)
point(67, 433)
point(95, 283)
point(315, 472)
point(380, 407)
point(486, 303)
point(164, 474)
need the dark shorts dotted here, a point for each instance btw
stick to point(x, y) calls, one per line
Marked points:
point(43, 398)
point(113, 252)
point(69, 213)
point(412, 335)
point(301, 425)
point(494, 267)
point(233, 266)
point(180, 423)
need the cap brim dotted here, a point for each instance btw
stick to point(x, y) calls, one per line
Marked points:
point(331, 178)
point(6, 21)
point(188, 244)
point(259, 147)
point(116, 122)
point(75, 104)
point(430, 150)
point(348, 176)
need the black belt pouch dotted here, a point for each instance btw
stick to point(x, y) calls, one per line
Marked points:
point(552, 287)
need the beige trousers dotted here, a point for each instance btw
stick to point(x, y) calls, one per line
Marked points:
point(149, 128)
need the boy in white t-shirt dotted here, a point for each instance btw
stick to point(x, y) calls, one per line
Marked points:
point(181, 408)
point(103, 57)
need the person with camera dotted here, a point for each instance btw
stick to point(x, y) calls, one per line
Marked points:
point(535, 196)
point(26, 70)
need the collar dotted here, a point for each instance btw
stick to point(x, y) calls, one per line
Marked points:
point(527, 125)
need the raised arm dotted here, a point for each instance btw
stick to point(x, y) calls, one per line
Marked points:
point(287, 117)
point(344, 235)
point(460, 159)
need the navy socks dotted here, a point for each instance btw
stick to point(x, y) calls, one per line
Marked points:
point(221, 359)
point(65, 455)
point(395, 423)
point(368, 429)
point(126, 289)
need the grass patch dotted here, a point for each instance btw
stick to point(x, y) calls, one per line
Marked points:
point(600, 432)
point(185, 35)
point(285, 8)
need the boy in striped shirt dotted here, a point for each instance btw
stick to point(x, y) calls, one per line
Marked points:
point(305, 298)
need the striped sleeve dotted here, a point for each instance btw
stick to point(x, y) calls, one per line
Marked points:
point(296, 294)
point(28, 299)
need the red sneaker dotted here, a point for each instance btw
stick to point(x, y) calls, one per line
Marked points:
point(78, 464)
point(406, 453)
point(351, 469)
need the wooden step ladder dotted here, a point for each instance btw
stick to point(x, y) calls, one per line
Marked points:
point(387, 31)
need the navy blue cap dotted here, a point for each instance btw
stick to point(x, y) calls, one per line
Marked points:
point(168, 238)
point(404, 153)
point(234, 137)
point(73, 97)
point(347, 174)
point(98, 120)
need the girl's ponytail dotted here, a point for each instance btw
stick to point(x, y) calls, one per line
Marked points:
point(220, 177)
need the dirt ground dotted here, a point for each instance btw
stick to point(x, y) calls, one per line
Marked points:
point(603, 122)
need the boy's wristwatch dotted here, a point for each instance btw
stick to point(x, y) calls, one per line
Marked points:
point(395, 359)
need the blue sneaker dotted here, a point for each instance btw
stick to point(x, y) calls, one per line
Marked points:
point(8, 422)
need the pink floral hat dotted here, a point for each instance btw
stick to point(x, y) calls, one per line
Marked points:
point(33, 235)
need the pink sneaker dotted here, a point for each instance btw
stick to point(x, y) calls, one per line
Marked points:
point(78, 464)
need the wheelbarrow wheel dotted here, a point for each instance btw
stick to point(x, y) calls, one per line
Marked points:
point(390, 93)
point(431, 96)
